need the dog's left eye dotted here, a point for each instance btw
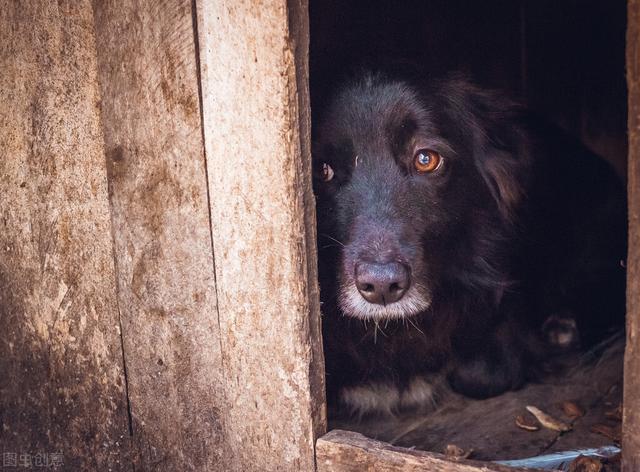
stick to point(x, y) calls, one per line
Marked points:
point(426, 161)
point(327, 172)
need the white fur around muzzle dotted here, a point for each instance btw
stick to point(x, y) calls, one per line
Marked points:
point(416, 300)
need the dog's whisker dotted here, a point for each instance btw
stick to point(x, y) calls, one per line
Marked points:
point(412, 323)
point(378, 328)
point(324, 235)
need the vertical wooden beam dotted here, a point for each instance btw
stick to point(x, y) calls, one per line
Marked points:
point(158, 190)
point(62, 385)
point(256, 126)
point(631, 420)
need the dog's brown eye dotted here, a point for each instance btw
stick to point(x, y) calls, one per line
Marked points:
point(327, 172)
point(426, 160)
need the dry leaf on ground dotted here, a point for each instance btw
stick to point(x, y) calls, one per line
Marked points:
point(572, 410)
point(527, 423)
point(547, 420)
point(451, 450)
point(585, 464)
point(614, 433)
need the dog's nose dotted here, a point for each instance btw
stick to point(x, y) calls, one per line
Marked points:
point(382, 283)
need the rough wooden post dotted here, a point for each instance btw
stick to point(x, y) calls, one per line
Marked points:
point(158, 191)
point(256, 126)
point(62, 386)
point(631, 420)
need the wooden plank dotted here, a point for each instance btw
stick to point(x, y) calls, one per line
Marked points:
point(158, 189)
point(631, 417)
point(255, 108)
point(345, 451)
point(62, 387)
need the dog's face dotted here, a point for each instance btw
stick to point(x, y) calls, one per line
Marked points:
point(402, 178)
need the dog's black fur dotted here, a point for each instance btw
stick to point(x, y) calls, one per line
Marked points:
point(520, 225)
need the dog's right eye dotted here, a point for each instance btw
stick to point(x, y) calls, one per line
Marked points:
point(427, 161)
point(327, 172)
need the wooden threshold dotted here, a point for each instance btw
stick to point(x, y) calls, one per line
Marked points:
point(346, 451)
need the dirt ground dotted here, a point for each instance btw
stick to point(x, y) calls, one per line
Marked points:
point(593, 381)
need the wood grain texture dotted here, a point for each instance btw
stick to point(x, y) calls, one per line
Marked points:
point(62, 387)
point(631, 417)
point(255, 105)
point(345, 451)
point(158, 192)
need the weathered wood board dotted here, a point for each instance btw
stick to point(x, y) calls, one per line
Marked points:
point(345, 451)
point(75, 276)
point(148, 73)
point(62, 385)
point(254, 71)
point(631, 422)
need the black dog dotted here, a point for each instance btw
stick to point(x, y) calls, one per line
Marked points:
point(457, 234)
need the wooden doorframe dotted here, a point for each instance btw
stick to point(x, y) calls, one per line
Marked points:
point(631, 401)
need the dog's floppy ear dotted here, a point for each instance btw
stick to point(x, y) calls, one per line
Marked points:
point(500, 151)
point(499, 143)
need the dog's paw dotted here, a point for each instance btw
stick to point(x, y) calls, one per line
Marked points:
point(420, 395)
point(479, 378)
point(379, 398)
point(560, 333)
point(387, 399)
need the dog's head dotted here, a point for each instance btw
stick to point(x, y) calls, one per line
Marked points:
point(408, 179)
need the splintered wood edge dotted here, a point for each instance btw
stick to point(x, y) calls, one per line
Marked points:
point(346, 451)
point(631, 400)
